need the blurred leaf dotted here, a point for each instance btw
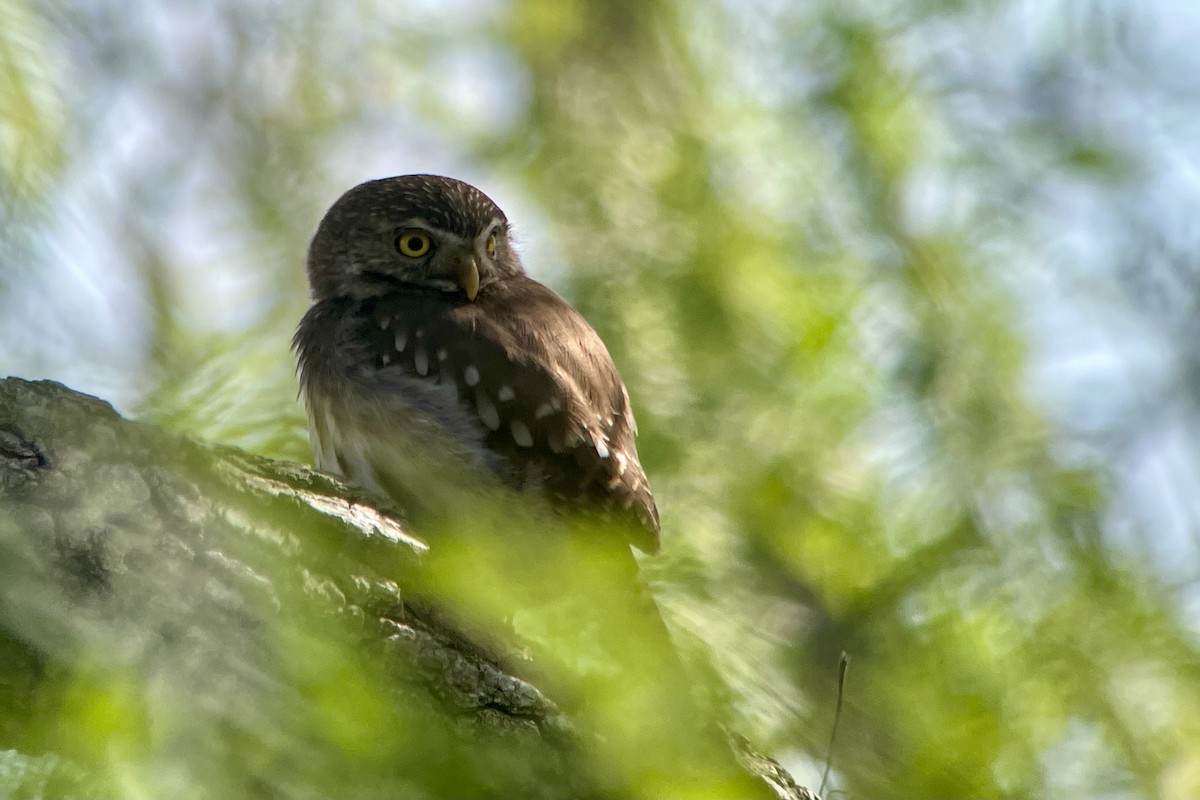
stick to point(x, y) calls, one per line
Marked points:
point(32, 118)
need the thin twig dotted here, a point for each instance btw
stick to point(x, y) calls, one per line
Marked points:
point(843, 665)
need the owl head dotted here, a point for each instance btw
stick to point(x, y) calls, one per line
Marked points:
point(411, 233)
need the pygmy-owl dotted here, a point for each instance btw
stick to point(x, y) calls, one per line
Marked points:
point(429, 351)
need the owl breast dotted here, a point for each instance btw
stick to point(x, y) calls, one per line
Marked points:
point(514, 389)
point(390, 426)
point(375, 421)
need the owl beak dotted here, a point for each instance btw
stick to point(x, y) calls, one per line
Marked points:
point(468, 275)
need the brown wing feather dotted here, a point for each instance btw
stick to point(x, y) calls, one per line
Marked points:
point(542, 382)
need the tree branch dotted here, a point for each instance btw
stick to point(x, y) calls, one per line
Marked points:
point(231, 623)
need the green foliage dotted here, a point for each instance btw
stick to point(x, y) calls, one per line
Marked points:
point(32, 118)
point(835, 376)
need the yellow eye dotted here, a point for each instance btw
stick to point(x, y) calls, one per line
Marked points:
point(413, 244)
point(491, 245)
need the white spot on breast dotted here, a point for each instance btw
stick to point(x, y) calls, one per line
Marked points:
point(421, 360)
point(385, 359)
point(471, 376)
point(521, 434)
point(622, 463)
point(420, 334)
point(487, 410)
point(442, 354)
point(505, 394)
point(601, 449)
point(401, 341)
point(555, 441)
point(544, 410)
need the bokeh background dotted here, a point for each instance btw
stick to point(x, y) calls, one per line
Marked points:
point(905, 294)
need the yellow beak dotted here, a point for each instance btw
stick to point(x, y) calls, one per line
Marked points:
point(468, 276)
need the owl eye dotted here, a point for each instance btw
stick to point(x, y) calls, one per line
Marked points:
point(491, 245)
point(413, 244)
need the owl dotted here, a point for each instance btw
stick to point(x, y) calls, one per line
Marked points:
point(429, 355)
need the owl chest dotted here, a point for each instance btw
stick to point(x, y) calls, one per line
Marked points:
point(400, 378)
point(382, 426)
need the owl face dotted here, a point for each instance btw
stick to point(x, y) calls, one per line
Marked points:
point(413, 232)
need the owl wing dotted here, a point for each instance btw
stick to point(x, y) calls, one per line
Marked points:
point(552, 406)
